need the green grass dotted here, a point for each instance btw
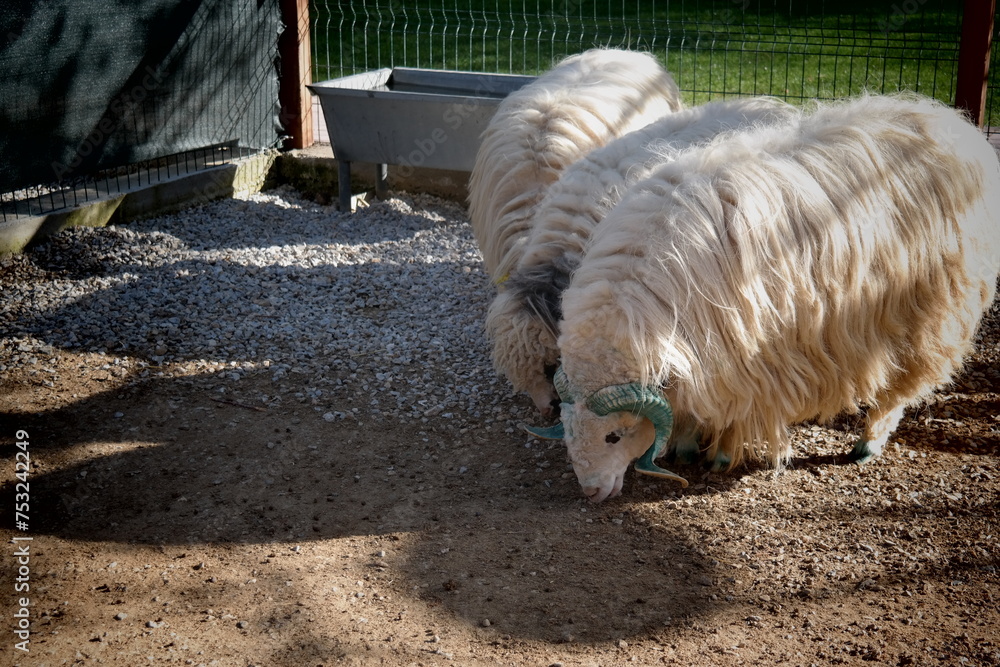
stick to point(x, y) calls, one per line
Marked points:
point(714, 48)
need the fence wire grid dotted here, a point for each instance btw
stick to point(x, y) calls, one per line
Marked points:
point(100, 97)
point(796, 49)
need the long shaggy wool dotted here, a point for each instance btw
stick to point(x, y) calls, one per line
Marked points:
point(522, 321)
point(538, 131)
point(777, 276)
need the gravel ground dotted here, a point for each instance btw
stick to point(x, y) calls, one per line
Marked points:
point(363, 303)
point(265, 433)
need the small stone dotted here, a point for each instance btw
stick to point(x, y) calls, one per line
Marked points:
point(121, 616)
point(486, 623)
point(243, 625)
point(869, 585)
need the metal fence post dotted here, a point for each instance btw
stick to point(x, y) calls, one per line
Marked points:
point(296, 72)
point(974, 58)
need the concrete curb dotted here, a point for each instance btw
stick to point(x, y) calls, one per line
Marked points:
point(312, 171)
point(165, 196)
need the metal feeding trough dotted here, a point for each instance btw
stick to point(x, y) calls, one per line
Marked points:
point(409, 117)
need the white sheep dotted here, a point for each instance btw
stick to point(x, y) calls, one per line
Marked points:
point(522, 319)
point(778, 276)
point(537, 131)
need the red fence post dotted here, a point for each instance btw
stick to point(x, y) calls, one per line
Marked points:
point(974, 57)
point(296, 72)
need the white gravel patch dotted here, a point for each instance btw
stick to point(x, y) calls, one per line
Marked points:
point(387, 302)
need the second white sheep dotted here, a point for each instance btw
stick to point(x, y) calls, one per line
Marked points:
point(522, 319)
point(540, 130)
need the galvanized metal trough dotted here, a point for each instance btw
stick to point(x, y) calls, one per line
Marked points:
point(410, 117)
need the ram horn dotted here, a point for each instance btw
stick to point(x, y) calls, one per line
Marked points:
point(647, 402)
point(555, 432)
point(562, 385)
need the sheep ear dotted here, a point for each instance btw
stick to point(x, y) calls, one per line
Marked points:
point(556, 432)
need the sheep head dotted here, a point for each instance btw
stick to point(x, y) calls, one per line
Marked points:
point(608, 430)
point(524, 348)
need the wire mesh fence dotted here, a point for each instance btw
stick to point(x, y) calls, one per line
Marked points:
point(98, 97)
point(794, 49)
point(991, 120)
point(41, 199)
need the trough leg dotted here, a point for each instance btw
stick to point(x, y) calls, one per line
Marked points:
point(382, 181)
point(344, 185)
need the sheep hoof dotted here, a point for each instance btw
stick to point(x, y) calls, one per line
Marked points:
point(719, 463)
point(864, 451)
point(686, 450)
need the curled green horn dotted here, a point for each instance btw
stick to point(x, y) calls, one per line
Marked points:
point(646, 466)
point(556, 432)
point(650, 403)
point(562, 386)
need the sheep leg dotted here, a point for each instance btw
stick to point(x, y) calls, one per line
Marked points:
point(686, 445)
point(718, 462)
point(864, 451)
point(880, 423)
point(544, 396)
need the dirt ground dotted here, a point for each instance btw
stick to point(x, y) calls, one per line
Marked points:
point(174, 520)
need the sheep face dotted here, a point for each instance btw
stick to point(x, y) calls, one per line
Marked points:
point(602, 447)
point(608, 430)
